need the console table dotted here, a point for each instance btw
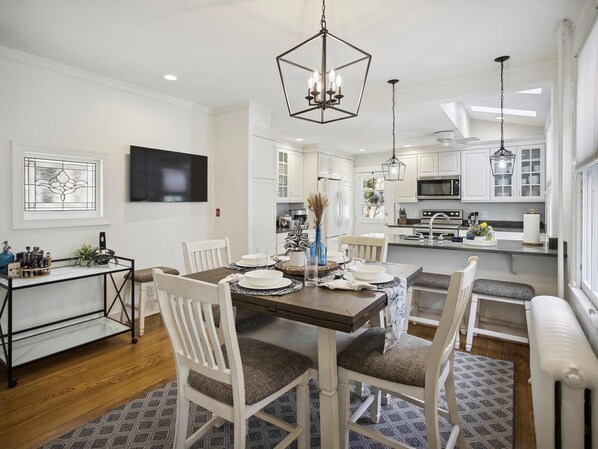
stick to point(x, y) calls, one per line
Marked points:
point(21, 346)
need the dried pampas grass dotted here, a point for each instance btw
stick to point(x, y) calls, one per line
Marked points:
point(317, 204)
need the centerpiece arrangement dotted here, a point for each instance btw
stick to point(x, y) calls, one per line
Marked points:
point(296, 243)
point(317, 204)
point(480, 235)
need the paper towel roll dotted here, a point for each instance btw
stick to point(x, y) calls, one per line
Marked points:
point(531, 229)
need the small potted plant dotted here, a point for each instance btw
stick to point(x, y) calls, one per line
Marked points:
point(296, 243)
point(84, 254)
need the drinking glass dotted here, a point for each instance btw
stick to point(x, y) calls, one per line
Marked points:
point(261, 258)
point(311, 271)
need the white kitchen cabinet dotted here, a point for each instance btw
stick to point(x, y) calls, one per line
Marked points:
point(439, 164)
point(263, 215)
point(329, 166)
point(475, 175)
point(263, 164)
point(405, 191)
point(530, 172)
point(527, 181)
point(290, 176)
point(347, 170)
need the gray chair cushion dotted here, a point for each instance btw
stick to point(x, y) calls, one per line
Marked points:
point(145, 275)
point(433, 280)
point(504, 289)
point(404, 364)
point(267, 368)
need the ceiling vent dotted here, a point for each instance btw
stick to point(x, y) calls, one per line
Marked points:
point(447, 139)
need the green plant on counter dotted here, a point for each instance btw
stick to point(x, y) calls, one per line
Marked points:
point(481, 230)
point(84, 254)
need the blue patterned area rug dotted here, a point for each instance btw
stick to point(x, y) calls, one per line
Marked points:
point(484, 391)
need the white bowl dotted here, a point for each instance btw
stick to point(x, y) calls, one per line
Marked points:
point(364, 272)
point(254, 260)
point(335, 256)
point(264, 278)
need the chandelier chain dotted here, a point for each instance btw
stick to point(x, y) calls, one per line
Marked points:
point(323, 19)
point(393, 120)
point(502, 100)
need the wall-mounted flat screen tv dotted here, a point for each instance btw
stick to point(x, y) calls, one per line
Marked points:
point(167, 176)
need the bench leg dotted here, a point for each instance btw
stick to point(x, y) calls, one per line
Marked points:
point(473, 312)
point(142, 298)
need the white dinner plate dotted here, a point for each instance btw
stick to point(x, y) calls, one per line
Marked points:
point(345, 259)
point(244, 264)
point(384, 277)
point(284, 282)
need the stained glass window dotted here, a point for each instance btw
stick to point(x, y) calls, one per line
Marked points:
point(59, 185)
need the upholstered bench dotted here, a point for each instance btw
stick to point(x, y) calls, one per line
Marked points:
point(428, 282)
point(497, 291)
point(143, 280)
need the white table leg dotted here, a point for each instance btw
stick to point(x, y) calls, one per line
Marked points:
point(327, 377)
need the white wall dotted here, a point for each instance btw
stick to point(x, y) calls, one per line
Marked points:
point(47, 105)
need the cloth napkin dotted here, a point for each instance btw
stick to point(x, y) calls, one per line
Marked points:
point(233, 277)
point(395, 313)
point(344, 284)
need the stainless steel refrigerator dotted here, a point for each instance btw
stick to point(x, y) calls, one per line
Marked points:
point(338, 218)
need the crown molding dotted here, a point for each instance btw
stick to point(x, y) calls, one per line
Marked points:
point(63, 69)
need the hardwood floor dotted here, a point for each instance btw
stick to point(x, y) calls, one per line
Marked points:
point(65, 391)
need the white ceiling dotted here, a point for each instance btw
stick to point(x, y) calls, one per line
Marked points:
point(223, 52)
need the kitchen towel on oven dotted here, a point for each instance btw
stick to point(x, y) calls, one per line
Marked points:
point(395, 312)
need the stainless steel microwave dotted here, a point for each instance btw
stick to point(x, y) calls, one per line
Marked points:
point(439, 188)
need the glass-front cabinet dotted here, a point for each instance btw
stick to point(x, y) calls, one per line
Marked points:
point(527, 181)
point(283, 174)
point(531, 172)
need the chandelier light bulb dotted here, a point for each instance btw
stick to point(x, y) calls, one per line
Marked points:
point(502, 163)
point(394, 169)
point(310, 82)
point(339, 80)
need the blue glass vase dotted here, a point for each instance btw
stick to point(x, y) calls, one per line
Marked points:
point(6, 257)
point(317, 250)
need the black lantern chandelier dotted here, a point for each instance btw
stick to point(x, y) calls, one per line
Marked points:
point(393, 169)
point(315, 66)
point(503, 161)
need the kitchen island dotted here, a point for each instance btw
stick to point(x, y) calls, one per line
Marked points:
point(509, 260)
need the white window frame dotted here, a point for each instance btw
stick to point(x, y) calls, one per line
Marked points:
point(588, 275)
point(359, 177)
point(22, 219)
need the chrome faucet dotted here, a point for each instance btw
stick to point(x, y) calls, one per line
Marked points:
point(438, 214)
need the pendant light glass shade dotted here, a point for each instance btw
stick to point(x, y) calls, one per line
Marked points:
point(502, 162)
point(323, 78)
point(393, 169)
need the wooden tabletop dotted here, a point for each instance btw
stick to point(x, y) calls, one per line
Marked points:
point(341, 310)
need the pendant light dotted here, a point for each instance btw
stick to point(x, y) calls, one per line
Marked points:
point(503, 161)
point(313, 86)
point(393, 169)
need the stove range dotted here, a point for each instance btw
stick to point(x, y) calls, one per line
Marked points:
point(441, 225)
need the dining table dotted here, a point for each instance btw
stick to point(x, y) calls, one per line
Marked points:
point(328, 312)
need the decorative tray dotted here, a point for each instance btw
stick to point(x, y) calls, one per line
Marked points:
point(292, 270)
point(493, 242)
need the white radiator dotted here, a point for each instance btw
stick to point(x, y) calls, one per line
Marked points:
point(564, 378)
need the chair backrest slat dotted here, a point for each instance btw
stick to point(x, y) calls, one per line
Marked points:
point(186, 308)
point(457, 300)
point(206, 254)
point(370, 249)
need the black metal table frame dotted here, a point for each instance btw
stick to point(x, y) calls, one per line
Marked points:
point(6, 339)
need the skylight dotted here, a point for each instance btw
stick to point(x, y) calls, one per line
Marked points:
point(521, 112)
point(536, 91)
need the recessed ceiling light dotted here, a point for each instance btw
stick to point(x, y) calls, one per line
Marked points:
point(536, 91)
point(407, 146)
point(361, 150)
point(299, 139)
point(521, 112)
point(170, 77)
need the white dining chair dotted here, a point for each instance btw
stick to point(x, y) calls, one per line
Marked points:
point(370, 249)
point(414, 370)
point(233, 377)
point(206, 254)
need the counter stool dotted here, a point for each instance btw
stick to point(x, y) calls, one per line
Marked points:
point(428, 282)
point(143, 280)
point(498, 291)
